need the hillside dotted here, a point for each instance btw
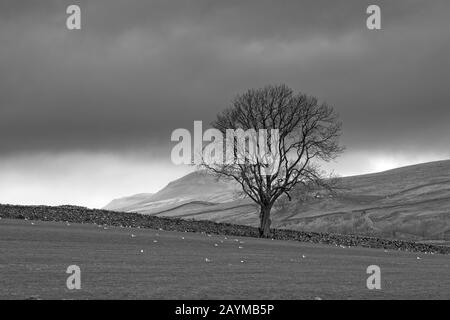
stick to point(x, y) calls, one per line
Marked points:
point(196, 189)
point(407, 203)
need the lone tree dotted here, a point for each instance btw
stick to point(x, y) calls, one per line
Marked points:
point(308, 132)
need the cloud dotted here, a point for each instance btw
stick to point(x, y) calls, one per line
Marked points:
point(140, 69)
point(90, 180)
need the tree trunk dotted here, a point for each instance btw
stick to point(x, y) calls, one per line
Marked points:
point(264, 217)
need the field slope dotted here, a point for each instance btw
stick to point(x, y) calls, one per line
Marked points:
point(405, 203)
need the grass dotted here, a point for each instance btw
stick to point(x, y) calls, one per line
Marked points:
point(34, 256)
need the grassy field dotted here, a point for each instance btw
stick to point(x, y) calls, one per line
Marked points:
point(34, 257)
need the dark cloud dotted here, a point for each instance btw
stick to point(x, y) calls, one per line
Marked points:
point(139, 69)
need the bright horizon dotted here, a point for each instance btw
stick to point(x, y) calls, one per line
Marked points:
point(106, 177)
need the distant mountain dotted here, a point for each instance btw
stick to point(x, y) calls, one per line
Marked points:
point(195, 189)
point(409, 203)
point(128, 203)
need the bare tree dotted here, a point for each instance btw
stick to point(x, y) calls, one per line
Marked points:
point(308, 132)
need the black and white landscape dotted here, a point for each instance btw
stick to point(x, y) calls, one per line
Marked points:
point(109, 110)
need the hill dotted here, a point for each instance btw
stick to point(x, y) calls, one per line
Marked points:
point(411, 202)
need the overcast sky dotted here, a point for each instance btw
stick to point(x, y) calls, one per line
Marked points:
point(86, 115)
